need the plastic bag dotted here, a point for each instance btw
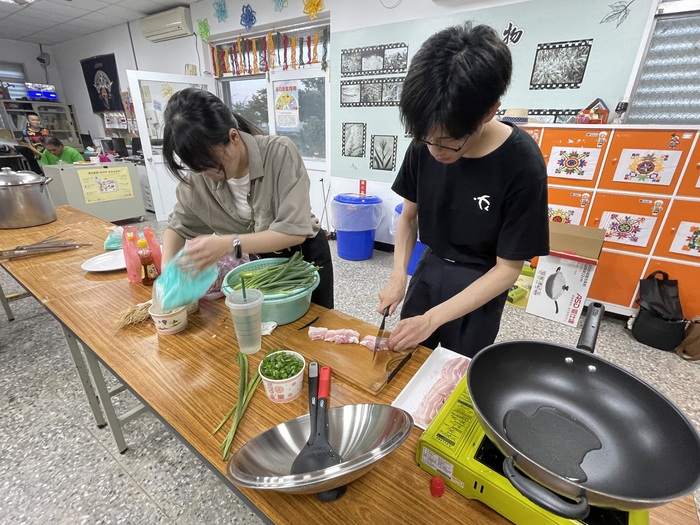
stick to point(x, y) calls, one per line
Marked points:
point(114, 239)
point(176, 287)
point(224, 265)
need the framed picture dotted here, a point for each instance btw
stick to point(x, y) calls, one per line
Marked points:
point(371, 92)
point(354, 138)
point(374, 60)
point(383, 155)
point(560, 65)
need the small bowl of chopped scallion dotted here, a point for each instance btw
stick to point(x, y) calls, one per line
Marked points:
point(282, 373)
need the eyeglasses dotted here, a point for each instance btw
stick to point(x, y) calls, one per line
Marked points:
point(440, 145)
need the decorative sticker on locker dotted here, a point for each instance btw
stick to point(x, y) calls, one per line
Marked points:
point(573, 163)
point(647, 167)
point(565, 214)
point(624, 228)
point(687, 239)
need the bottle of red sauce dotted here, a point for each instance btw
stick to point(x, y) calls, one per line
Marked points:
point(148, 268)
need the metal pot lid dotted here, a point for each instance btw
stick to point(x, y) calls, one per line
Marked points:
point(17, 178)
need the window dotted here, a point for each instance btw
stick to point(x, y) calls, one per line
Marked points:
point(248, 97)
point(12, 77)
point(668, 87)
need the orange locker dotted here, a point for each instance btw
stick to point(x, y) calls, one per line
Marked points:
point(680, 238)
point(535, 133)
point(690, 185)
point(631, 221)
point(688, 278)
point(646, 161)
point(574, 156)
point(569, 205)
point(616, 278)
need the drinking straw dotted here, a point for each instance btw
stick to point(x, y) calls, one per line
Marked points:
point(245, 298)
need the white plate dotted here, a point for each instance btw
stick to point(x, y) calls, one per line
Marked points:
point(106, 262)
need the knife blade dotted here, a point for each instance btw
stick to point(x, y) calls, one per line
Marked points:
point(381, 335)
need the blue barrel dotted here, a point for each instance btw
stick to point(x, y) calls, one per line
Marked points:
point(417, 249)
point(356, 218)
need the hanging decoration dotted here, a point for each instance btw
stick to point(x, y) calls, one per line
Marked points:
point(280, 4)
point(285, 38)
point(312, 7)
point(278, 45)
point(249, 59)
point(255, 58)
point(271, 50)
point(248, 17)
point(235, 59)
point(293, 52)
point(315, 57)
point(203, 29)
point(241, 62)
point(301, 51)
point(308, 45)
point(326, 36)
point(263, 54)
point(215, 63)
point(220, 10)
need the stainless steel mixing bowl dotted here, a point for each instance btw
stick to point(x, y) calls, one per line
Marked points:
point(362, 435)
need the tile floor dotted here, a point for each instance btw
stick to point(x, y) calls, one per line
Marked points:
point(56, 466)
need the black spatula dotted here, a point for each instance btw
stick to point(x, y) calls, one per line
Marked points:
point(318, 452)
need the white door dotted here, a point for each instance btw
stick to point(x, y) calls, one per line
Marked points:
point(150, 93)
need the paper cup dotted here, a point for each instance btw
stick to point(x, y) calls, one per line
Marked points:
point(284, 390)
point(168, 323)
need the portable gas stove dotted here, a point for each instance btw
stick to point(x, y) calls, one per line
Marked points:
point(455, 447)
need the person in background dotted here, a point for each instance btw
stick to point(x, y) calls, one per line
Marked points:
point(32, 136)
point(240, 192)
point(475, 187)
point(55, 152)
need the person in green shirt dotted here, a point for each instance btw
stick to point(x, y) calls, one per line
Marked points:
point(55, 152)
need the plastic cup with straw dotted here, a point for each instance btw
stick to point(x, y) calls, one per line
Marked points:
point(246, 312)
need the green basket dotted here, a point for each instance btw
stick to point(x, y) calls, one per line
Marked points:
point(280, 308)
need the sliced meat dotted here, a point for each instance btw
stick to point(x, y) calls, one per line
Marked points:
point(452, 373)
point(317, 333)
point(371, 340)
point(342, 336)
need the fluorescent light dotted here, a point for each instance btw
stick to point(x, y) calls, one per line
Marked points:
point(18, 2)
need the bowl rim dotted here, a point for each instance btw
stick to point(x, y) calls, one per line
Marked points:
point(226, 288)
point(171, 313)
point(307, 480)
point(279, 381)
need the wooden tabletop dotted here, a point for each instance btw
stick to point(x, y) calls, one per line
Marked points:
point(190, 381)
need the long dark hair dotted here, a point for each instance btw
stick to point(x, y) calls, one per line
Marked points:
point(196, 121)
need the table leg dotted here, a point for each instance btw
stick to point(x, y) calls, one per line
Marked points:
point(106, 399)
point(79, 362)
point(6, 305)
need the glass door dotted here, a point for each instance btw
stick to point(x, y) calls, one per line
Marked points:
point(150, 93)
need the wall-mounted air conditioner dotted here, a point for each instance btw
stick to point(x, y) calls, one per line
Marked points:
point(174, 23)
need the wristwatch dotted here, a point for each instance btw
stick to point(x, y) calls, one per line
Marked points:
point(237, 250)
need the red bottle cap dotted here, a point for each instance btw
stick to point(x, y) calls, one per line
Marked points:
point(437, 487)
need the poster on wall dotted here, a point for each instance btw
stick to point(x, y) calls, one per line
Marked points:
point(287, 105)
point(573, 163)
point(354, 138)
point(560, 65)
point(624, 228)
point(102, 83)
point(647, 167)
point(383, 155)
point(374, 60)
point(687, 239)
point(368, 93)
point(105, 184)
point(565, 214)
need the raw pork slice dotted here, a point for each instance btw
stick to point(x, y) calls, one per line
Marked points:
point(317, 334)
point(433, 400)
point(341, 336)
point(370, 340)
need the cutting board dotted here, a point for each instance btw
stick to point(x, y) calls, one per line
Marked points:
point(352, 362)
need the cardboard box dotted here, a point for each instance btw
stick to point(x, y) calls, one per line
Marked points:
point(563, 278)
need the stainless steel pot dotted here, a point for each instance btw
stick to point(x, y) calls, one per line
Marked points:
point(24, 199)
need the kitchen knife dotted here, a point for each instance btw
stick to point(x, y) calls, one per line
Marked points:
point(381, 335)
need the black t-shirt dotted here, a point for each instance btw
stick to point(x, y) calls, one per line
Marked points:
point(477, 209)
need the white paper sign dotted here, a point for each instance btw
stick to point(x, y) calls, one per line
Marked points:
point(687, 239)
point(573, 163)
point(655, 167)
point(625, 228)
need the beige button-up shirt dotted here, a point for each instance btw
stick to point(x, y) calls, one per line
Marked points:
point(278, 195)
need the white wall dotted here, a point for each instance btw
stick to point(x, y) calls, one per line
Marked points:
point(25, 53)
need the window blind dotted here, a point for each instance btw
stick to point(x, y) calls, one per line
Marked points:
point(12, 77)
point(668, 88)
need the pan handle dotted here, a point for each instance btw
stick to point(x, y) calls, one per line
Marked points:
point(591, 326)
point(544, 497)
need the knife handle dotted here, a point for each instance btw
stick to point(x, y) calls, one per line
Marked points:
point(313, 384)
point(324, 382)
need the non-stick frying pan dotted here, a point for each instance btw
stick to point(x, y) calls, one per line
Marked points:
point(582, 427)
point(555, 286)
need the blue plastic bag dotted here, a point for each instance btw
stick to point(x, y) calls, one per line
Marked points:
point(177, 287)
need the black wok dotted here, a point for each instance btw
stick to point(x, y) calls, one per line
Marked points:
point(555, 286)
point(581, 427)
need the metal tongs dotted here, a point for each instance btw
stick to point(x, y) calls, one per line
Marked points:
point(51, 244)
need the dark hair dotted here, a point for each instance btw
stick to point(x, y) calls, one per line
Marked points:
point(454, 80)
point(32, 114)
point(50, 140)
point(196, 121)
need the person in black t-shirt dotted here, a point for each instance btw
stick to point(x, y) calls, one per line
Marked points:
point(475, 187)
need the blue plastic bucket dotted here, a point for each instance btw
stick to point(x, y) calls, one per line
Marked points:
point(417, 249)
point(356, 218)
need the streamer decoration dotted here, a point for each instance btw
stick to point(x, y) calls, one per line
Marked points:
point(293, 52)
point(271, 50)
point(326, 36)
point(315, 57)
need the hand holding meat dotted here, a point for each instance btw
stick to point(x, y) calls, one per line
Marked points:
point(410, 332)
point(204, 251)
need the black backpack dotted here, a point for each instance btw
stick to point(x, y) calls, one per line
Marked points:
point(660, 322)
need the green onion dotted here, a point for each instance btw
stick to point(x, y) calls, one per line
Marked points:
point(280, 278)
point(281, 365)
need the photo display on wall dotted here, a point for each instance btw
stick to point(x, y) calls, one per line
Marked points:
point(560, 65)
point(374, 60)
point(383, 156)
point(573, 163)
point(625, 228)
point(354, 139)
point(687, 239)
point(374, 92)
point(647, 167)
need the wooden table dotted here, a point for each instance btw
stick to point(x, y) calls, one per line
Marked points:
point(189, 381)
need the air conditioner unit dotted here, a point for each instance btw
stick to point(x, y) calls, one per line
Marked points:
point(174, 23)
